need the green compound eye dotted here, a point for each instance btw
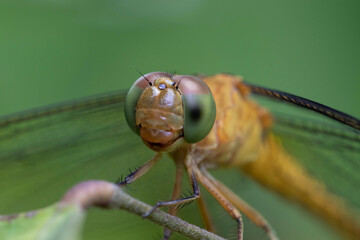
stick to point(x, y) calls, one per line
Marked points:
point(131, 100)
point(199, 107)
point(134, 94)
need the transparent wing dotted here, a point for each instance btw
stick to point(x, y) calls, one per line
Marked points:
point(40, 148)
point(328, 149)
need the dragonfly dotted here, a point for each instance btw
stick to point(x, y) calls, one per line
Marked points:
point(202, 122)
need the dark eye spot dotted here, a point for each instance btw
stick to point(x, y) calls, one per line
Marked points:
point(195, 113)
point(162, 86)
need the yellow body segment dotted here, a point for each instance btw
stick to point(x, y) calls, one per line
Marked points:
point(240, 125)
point(241, 138)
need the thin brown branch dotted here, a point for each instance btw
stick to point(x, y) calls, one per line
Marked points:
point(105, 194)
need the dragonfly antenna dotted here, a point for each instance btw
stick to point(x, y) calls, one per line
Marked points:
point(144, 77)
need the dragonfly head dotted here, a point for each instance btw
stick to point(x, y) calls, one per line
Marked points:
point(168, 110)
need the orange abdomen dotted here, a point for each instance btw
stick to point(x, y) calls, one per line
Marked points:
point(279, 171)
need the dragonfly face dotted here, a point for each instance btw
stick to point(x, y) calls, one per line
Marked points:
point(165, 110)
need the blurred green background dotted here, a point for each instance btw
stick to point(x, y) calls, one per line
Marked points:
point(53, 50)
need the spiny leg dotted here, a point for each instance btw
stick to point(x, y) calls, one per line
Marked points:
point(196, 193)
point(175, 194)
point(225, 203)
point(140, 171)
point(251, 213)
point(195, 187)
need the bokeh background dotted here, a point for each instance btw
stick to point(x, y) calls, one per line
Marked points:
point(52, 50)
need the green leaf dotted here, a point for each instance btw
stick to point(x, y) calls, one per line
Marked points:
point(56, 222)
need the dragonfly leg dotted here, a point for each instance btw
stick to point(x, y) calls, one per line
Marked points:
point(176, 202)
point(140, 171)
point(225, 203)
point(240, 204)
point(205, 215)
point(175, 194)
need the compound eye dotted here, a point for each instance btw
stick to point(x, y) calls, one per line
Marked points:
point(134, 95)
point(199, 107)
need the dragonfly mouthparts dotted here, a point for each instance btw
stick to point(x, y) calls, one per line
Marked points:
point(160, 140)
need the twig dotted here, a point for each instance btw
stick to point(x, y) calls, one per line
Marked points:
point(105, 194)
